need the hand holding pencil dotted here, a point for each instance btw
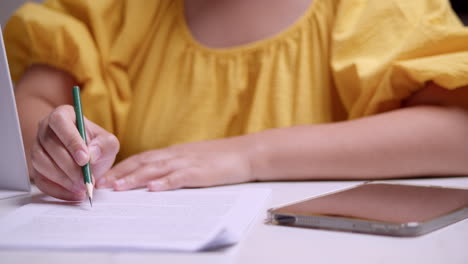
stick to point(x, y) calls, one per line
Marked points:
point(59, 153)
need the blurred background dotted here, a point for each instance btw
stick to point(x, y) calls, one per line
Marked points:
point(461, 6)
point(8, 6)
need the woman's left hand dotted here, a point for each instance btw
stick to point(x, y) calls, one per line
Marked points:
point(199, 164)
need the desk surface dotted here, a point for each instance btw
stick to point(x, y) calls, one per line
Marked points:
point(277, 244)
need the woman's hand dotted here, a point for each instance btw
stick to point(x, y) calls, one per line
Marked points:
point(59, 151)
point(200, 164)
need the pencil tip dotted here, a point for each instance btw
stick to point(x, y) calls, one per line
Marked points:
point(90, 201)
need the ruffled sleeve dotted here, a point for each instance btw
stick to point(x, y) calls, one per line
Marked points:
point(383, 51)
point(82, 38)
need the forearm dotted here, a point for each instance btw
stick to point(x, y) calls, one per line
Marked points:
point(29, 120)
point(40, 90)
point(416, 141)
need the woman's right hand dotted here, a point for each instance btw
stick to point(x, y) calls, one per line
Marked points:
point(59, 152)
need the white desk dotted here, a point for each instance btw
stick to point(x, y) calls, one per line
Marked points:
point(276, 244)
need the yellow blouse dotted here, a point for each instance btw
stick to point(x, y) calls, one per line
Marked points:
point(147, 80)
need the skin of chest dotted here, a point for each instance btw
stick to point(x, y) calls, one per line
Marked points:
point(245, 21)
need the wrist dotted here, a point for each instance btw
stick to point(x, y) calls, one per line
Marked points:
point(288, 153)
point(256, 151)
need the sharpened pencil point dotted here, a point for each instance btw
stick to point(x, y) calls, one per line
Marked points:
point(90, 201)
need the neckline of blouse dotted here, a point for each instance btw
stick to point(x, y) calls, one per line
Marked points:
point(251, 46)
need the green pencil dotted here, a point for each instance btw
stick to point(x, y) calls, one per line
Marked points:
point(81, 128)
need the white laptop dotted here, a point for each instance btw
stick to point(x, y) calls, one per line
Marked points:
point(14, 178)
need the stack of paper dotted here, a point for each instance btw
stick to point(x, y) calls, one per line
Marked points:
point(183, 220)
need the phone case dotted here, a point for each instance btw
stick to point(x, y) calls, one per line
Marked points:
point(378, 208)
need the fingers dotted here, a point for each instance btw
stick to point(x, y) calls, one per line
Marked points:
point(55, 190)
point(49, 143)
point(185, 178)
point(103, 148)
point(118, 171)
point(173, 181)
point(51, 157)
point(59, 152)
point(62, 123)
point(140, 177)
point(102, 145)
point(44, 165)
point(130, 165)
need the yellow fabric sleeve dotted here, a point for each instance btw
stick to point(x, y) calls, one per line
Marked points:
point(76, 36)
point(382, 51)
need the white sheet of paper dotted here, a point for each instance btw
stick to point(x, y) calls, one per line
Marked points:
point(183, 220)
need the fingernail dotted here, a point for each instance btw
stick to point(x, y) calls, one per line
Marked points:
point(120, 183)
point(158, 185)
point(95, 153)
point(81, 157)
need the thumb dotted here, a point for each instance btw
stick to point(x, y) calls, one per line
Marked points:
point(103, 151)
point(103, 148)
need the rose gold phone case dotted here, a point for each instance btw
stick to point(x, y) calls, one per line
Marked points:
point(378, 208)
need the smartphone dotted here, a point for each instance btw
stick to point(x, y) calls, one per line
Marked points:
point(378, 208)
